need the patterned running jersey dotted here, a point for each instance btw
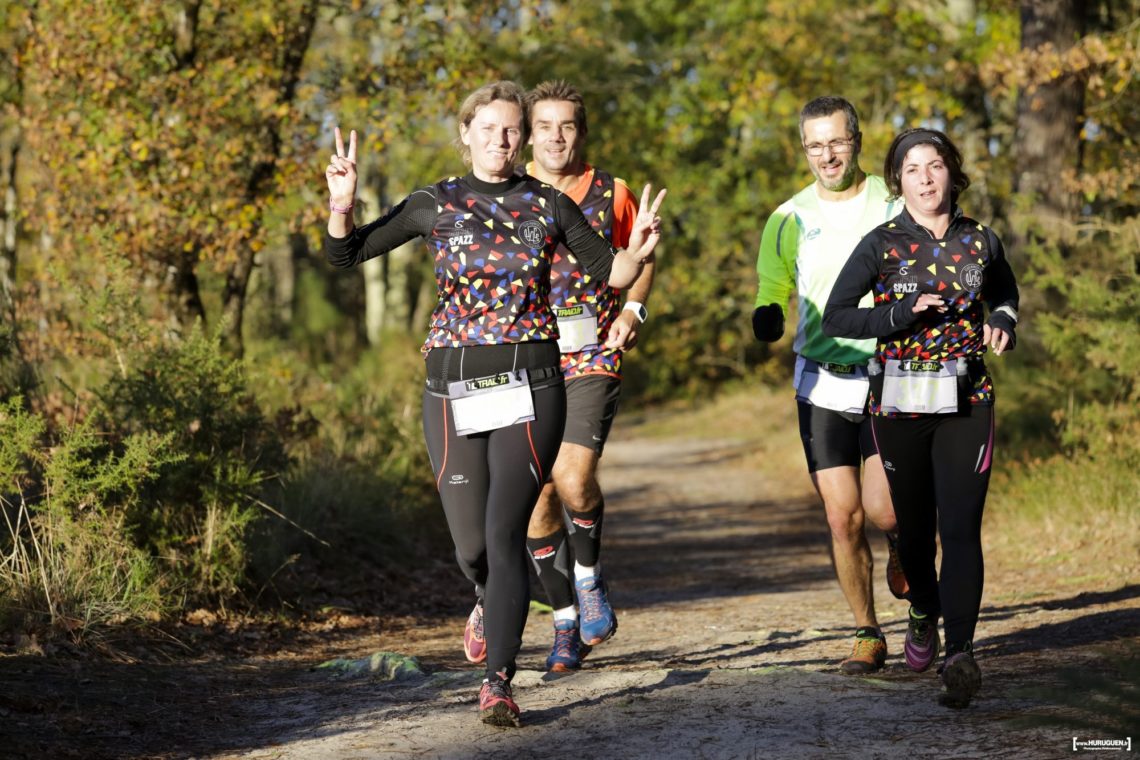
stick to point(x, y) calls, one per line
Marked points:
point(900, 258)
point(570, 285)
point(492, 265)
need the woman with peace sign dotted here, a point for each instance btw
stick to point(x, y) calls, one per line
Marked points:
point(494, 404)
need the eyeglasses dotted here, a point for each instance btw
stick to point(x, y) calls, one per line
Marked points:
point(835, 146)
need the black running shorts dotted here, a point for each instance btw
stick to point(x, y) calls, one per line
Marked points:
point(834, 439)
point(591, 403)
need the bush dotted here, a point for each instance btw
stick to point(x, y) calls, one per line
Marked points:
point(359, 492)
point(67, 562)
point(195, 514)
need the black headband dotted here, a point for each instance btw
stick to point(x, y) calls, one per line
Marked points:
point(919, 137)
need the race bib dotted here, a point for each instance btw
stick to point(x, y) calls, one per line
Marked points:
point(577, 327)
point(839, 387)
point(918, 386)
point(491, 402)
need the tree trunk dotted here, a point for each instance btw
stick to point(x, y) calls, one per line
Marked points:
point(374, 271)
point(11, 138)
point(182, 293)
point(1049, 118)
point(9, 213)
point(292, 54)
point(404, 283)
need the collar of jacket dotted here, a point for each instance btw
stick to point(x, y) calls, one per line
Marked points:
point(956, 218)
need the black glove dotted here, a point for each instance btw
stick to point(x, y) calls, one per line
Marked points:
point(768, 323)
point(1005, 323)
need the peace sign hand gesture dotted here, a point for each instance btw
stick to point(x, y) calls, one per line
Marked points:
point(646, 231)
point(341, 172)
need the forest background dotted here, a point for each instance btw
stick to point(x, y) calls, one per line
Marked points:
point(196, 411)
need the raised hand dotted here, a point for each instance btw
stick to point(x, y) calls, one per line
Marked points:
point(341, 171)
point(646, 230)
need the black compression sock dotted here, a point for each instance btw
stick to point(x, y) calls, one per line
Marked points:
point(585, 529)
point(551, 558)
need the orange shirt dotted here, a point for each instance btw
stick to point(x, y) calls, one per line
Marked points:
point(625, 206)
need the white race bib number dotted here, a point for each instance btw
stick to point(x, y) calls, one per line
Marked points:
point(577, 328)
point(839, 387)
point(490, 403)
point(917, 386)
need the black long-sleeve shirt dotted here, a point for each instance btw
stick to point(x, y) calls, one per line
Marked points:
point(899, 260)
point(493, 244)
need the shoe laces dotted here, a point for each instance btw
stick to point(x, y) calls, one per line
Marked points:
point(919, 631)
point(564, 642)
point(865, 647)
point(477, 625)
point(590, 601)
point(496, 689)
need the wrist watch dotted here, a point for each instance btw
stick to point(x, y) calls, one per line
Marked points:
point(638, 310)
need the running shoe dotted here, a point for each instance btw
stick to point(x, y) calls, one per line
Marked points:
point(961, 679)
point(566, 655)
point(474, 644)
point(868, 654)
point(922, 642)
point(896, 578)
point(496, 703)
point(598, 621)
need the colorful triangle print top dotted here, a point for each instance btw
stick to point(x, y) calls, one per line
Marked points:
point(571, 285)
point(492, 265)
point(967, 267)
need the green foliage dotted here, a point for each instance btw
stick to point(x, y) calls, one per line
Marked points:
point(20, 432)
point(195, 515)
point(360, 481)
point(157, 129)
point(64, 497)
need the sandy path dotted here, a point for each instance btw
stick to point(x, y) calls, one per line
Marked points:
point(731, 625)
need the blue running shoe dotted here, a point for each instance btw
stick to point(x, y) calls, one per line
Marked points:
point(566, 655)
point(598, 621)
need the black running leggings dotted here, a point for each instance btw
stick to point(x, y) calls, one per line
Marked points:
point(488, 483)
point(938, 467)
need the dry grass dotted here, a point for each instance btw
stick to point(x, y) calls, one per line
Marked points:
point(1076, 520)
point(1080, 520)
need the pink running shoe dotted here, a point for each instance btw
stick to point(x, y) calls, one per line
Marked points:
point(497, 705)
point(922, 644)
point(474, 644)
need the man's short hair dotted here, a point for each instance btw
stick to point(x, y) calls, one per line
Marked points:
point(827, 105)
point(559, 89)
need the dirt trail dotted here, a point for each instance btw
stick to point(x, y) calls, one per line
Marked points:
point(731, 625)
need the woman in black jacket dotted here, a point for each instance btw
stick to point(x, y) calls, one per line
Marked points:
point(494, 404)
point(934, 273)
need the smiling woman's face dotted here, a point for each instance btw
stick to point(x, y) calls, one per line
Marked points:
point(494, 137)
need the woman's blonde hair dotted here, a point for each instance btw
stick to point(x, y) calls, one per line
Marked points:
point(485, 95)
